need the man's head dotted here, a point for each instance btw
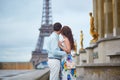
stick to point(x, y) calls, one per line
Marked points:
point(57, 27)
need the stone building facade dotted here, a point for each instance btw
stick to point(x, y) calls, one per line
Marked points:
point(107, 24)
point(101, 60)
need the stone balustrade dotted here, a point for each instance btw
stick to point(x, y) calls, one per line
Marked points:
point(16, 65)
point(99, 71)
point(34, 74)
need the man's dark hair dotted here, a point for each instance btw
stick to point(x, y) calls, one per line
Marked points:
point(57, 26)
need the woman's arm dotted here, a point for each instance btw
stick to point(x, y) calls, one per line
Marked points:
point(67, 47)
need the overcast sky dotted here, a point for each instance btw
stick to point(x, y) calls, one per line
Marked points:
point(21, 19)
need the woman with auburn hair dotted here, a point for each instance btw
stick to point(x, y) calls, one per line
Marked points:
point(67, 62)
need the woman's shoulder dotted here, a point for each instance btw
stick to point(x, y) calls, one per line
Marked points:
point(67, 42)
point(66, 39)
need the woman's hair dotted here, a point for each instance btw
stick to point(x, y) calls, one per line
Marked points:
point(66, 31)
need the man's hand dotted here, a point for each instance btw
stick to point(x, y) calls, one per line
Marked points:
point(59, 43)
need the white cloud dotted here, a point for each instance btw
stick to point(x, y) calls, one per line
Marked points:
point(15, 54)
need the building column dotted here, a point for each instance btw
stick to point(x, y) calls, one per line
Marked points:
point(101, 18)
point(116, 17)
point(108, 17)
point(95, 14)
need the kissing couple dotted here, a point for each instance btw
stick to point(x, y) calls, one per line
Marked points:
point(60, 61)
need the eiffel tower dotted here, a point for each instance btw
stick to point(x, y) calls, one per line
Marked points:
point(40, 55)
